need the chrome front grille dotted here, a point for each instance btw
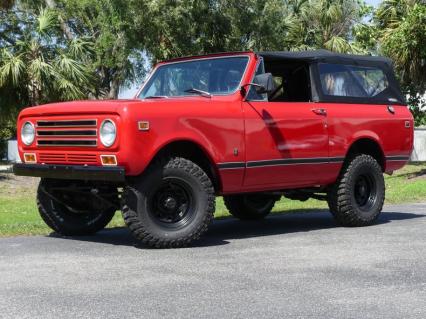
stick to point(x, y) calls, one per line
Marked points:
point(67, 133)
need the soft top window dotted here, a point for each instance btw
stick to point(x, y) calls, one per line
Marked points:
point(351, 80)
point(336, 78)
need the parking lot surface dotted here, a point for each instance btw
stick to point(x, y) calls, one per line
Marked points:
point(298, 265)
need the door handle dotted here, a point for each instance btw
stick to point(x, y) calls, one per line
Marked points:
point(322, 112)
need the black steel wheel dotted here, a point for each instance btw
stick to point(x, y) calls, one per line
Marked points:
point(357, 197)
point(173, 204)
point(170, 205)
point(365, 192)
point(250, 206)
point(75, 208)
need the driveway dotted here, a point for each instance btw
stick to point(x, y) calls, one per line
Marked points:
point(288, 266)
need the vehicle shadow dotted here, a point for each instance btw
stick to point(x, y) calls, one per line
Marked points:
point(221, 231)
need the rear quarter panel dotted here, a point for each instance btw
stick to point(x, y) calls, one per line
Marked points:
point(348, 123)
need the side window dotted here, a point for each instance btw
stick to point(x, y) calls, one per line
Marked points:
point(373, 80)
point(351, 81)
point(292, 82)
point(252, 94)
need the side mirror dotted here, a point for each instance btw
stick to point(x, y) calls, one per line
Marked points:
point(263, 83)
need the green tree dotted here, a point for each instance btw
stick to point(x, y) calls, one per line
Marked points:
point(325, 24)
point(43, 68)
point(172, 28)
point(111, 27)
point(197, 27)
point(401, 32)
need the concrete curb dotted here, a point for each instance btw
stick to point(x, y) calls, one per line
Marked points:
point(6, 169)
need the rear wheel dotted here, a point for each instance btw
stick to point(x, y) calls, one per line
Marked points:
point(357, 197)
point(250, 206)
point(75, 208)
point(171, 205)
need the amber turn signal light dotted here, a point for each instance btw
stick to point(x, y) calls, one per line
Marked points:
point(30, 158)
point(143, 125)
point(108, 160)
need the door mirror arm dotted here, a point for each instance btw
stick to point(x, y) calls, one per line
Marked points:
point(263, 83)
point(260, 89)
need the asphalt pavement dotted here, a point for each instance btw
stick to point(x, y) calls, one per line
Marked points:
point(298, 265)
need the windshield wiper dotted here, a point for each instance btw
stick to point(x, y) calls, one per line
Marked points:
point(199, 92)
point(157, 97)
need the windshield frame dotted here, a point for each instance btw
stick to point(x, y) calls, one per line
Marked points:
point(162, 64)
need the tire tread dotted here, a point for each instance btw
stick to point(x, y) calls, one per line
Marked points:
point(142, 233)
point(339, 200)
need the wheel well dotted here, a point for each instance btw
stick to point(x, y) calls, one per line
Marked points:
point(369, 147)
point(196, 154)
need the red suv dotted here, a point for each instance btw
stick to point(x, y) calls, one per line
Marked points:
point(251, 127)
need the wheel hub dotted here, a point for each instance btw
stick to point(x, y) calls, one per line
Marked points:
point(172, 203)
point(364, 191)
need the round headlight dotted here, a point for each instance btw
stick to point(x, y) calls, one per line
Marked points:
point(28, 133)
point(108, 133)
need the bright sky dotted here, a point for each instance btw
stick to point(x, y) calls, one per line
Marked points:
point(128, 93)
point(373, 2)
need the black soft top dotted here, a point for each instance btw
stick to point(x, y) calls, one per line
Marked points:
point(323, 56)
point(391, 95)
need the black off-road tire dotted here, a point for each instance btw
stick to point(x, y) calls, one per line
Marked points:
point(65, 222)
point(346, 198)
point(250, 206)
point(142, 204)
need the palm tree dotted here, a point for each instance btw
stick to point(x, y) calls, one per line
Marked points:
point(42, 66)
point(324, 24)
point(402, 25)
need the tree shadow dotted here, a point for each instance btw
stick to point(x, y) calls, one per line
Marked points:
point(412, 175)
point(221, 231)
point(4, 177)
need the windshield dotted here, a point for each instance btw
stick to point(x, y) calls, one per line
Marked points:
point(215, 76)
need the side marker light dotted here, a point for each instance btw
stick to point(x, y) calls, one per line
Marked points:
point(109, 160)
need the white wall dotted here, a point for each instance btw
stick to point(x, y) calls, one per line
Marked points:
point(419, 153)
point(12, 151)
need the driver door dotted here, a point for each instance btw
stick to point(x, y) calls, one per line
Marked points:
point(286, 143)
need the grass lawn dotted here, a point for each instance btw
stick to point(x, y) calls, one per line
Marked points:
point(19, 216)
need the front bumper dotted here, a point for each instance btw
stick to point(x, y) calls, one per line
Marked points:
point(78, 172)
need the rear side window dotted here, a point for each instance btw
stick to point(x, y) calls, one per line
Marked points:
point(351, 80)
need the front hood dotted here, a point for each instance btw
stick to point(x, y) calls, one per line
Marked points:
point(79, 108)
point(119, 107)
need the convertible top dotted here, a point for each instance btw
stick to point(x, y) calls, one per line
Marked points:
point(323, 56)
point(343, 72)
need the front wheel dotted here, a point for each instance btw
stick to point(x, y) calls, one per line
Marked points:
point(250, 206)
point(170, 205)
point(357, 197)
point(74, 208)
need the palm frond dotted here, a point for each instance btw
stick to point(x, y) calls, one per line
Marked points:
point(46, 20)
point(78, 48)
point(69, 91)
point(41, 72)
point(11, 67)
point(73, 69)
point(338, 44)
